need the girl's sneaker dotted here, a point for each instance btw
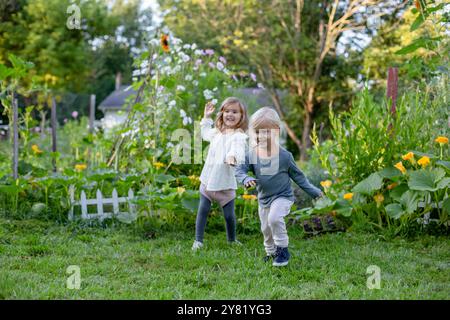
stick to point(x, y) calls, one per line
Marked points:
point(235, 243)
point(269, 257)
point(282, 257)
point(197, 245)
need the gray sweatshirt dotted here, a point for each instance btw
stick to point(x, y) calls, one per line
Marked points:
point(273, 177)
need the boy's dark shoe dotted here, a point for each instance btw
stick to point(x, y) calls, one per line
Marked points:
point(282, 257)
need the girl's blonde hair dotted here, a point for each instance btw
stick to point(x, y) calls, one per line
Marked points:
point(242, 124)
point(265, 118)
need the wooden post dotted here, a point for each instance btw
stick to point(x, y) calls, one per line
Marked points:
point(392, 88)
point(15, 126)
point(54, 133)
point(92, 114)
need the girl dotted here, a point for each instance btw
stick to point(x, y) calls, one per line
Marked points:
point(226, 149)
point(274, 167)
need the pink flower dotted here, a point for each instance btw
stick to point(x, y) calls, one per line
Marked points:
point(198, 62)
point(65, 120)
point(74, 114)
point(223, 60)
point(211, 65)
point(253, 76)
point(209, 52)
point(37, 129)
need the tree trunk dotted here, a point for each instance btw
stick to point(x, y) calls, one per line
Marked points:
point(306, 141)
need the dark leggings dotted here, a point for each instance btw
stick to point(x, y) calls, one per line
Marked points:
point(202, 214)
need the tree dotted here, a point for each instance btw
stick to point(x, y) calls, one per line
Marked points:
point(291, 44)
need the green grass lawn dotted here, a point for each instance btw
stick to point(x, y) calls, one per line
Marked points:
point(120, 263)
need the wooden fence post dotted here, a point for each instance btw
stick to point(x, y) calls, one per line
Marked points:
point(92, 114)
point(15, 125)
point(54, 133)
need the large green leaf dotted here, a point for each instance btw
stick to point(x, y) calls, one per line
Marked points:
point(394, 210)
point(409, 201)
point(389, 173)
point(446, 205)
point(426, 180)
point(163, 178)
point(369, 185)
point(398, 191)
point(190, 204)
point(444, 183)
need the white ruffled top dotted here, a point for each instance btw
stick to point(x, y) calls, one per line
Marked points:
point(216, 174)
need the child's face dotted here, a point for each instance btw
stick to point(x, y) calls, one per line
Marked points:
point(263, 136)
point(232, 115)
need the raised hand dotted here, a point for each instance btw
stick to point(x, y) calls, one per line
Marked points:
point(209, 110)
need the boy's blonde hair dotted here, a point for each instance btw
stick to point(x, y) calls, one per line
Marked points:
point(242, 124)
point(265, 118)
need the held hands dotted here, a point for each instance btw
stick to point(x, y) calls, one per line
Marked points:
point(209, 110)
point(250, 184)
point(231, 160)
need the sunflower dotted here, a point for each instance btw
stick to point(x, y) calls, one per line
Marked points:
point(165, 43)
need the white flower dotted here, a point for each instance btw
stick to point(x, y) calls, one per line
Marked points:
point(172, 104)
point(220, 66)
point(215, 89)
point(168, 60)
point(136, 73)
point(188, 77)
point(182, 113)
point(187, 46)
point(181, 88)
point(208, 94)
point(198, 52)
point(176, 69)
point(226, 71)
point(170, 145)
point(195, 83)
point(194, 46)
point(203, 74)
point(214, 101)
point(260, 86)
point(154, 42)
point(184, 57)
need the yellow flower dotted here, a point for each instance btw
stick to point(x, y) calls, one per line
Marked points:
point(348, 196)
point(194, 178)
point(378, 199)
point(158, 165)
point(392, 186)
point(80, 167)
point(441, 140)
point(409, 156)
point(36, 149)
point(424, 161)
point(400, 167)
point(180, 190)
point(326, 183)
point(248, 197)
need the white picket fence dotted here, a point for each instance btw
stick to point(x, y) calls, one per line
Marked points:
point(99, 201)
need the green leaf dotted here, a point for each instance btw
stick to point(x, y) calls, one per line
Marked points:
point(419, 43)
point(398, 191)
point(389, 173)
point(418, 22)
point(5, 72)
point(190, 204)
point(444, 183)
point(369, 185)
point(409, 200)
point(425, 180)
point(446, 205)
point(443, 163)
point(127, 217)
point(163, 178)
point(394, 210)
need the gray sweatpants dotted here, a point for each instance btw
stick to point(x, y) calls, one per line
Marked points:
point(273, 226)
